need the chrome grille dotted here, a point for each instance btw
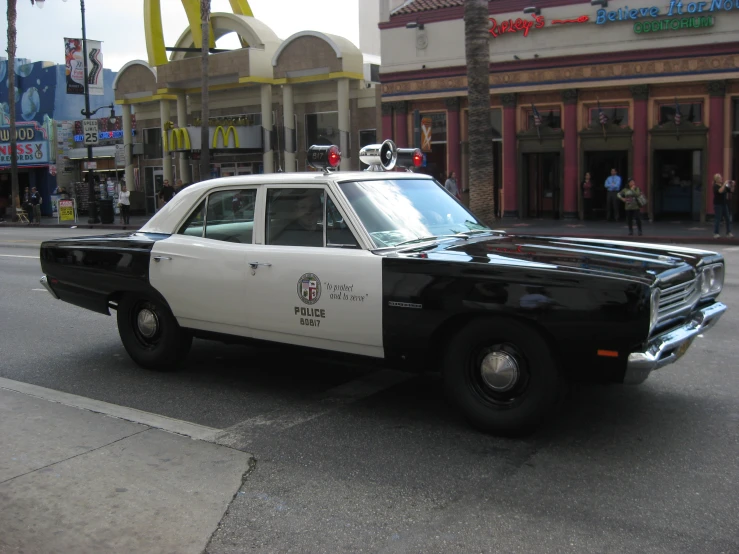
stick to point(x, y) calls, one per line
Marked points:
point(677, 299)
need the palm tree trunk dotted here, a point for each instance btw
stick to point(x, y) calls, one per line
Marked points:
point(477, 50)
point(204, 110)
point(12, 17)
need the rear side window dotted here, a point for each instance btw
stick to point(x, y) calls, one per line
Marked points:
point(231, 215)
point(193, 226)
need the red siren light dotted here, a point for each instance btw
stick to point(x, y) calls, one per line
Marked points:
point(334, 156)
point(410, 157)
point(324, 157)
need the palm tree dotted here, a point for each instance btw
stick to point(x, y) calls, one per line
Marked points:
point(12, 34)
point(476, 38)
point(204, 111)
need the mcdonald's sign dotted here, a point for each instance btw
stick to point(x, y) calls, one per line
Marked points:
point(176, 140)
point(225, 133)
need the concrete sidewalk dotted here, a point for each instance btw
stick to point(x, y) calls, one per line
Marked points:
point(76, 480)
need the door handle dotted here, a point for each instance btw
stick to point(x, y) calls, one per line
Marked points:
point(255, 265)
point(160, 258)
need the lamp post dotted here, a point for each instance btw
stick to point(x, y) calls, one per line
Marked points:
point(93, 215)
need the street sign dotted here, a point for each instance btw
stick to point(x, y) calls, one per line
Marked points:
point(90, 131)
point(120, 155)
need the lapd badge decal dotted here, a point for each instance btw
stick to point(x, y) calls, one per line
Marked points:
point(309, 288)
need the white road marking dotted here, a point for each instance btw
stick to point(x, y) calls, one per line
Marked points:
point(40, 290)
point(347, 393)
point(16, 256)
point(732, 249)
point(177, 426)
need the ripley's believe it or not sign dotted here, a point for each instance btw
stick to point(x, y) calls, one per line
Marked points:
point(678, 15)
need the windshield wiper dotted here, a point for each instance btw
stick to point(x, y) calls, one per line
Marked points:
point(412, 241)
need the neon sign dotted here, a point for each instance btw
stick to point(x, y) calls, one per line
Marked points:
point(673, 24)
point(524, 25)
point(676, 8)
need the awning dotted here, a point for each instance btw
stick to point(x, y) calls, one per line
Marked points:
point(97, 152)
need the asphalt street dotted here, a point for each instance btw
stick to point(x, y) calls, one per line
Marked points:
point(366, 460)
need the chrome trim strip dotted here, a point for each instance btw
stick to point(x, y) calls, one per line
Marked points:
point(668, 347)
point(45, 282)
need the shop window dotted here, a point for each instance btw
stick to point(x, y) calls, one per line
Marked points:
point(322, 128)
point(438, 126)
point(689, 112)
point(496, 119)
point(618, 115)
point(153, 143)
point(736, 116)
point(549, 118)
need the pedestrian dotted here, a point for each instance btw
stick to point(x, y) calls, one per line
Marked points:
point(124, 201)
point(613, 185)
point(451, 185)
point(631, 197)
point(36, 201)
point(587, 197)
point(166, 193)
point(720, 205)
point(178, 186)
point(26, 205)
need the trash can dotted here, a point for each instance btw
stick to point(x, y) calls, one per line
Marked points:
point(107, 215)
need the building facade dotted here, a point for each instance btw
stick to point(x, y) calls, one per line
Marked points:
point(49, 131)
point(268, 102)
point(575, 87)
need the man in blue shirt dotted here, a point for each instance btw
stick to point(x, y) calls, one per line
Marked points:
point(613, 185)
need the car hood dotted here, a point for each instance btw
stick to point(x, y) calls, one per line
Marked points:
point(641, 261)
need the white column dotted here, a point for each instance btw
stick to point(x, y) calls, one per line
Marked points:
point(288, 109)
point(128, 145)
point(268, 154)
point(166, 159)
point(185, 173)
point(344, 123)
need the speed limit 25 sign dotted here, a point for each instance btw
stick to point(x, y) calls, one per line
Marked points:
point(90, 131)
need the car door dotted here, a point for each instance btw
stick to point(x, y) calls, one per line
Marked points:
point(201, 270)
point(315, 286)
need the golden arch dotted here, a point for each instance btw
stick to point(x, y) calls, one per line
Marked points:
point(155, 31)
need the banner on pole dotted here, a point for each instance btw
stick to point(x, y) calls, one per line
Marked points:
point(75, 66)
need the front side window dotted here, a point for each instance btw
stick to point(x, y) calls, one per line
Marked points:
point(294, 217)
point(395, 211)
point(338, 233)
point(231, 215)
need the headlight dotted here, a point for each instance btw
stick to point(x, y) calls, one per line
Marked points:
point(712, 280)
point(654, 309)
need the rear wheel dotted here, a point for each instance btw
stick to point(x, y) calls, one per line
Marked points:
point(150, 333)
point(502, 376)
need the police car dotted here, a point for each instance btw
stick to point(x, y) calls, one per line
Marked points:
point(386, 265)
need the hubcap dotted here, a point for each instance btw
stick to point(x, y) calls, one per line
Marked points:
point(147, 322)
point(499, 371)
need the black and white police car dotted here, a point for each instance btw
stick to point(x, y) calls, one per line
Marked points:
point(388, 266)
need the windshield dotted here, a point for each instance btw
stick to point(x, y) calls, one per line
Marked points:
point(395, 211)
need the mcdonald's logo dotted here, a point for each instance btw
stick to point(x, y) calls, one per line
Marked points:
point(180, 139)
point(155, 31)
point(225, 133)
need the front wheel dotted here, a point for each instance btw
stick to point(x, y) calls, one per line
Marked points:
point(502, 376)
point(150, 333)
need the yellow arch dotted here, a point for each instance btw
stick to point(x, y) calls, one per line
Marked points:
point(155, 31)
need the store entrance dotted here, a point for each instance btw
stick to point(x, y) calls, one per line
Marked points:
point(436, 163)
point(599, 165)
point(678, 184)
point(541, 185)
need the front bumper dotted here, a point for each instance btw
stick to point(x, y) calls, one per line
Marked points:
point(670, 346)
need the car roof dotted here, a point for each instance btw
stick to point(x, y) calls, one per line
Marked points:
point(166, 220)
